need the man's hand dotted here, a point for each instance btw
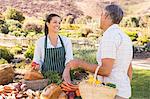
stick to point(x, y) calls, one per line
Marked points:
point(70, 65)
point(75, 63)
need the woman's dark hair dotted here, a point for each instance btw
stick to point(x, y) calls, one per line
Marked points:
point(48, 19)
point(115, 13)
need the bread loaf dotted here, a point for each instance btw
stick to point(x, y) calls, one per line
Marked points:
point(33, 75)
point(62, 96)
point(53, 91)
point(6, 74)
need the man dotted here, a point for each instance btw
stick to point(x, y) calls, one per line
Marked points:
point(114, 54)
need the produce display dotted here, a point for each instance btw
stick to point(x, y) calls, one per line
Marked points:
point(17, 91)
point(48, 85)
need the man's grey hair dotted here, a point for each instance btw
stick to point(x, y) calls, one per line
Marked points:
point(115, 12)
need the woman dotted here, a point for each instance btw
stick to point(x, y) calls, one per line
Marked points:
point(52, 52)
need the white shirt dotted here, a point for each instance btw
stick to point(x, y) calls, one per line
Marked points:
point(117, 45)
point(39, 49)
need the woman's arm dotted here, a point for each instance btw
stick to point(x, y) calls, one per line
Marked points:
point(69, 56)
point(66, 74)
point(130, 71)
point(37, 56)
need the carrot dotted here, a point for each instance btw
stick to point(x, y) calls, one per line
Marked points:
point(67, 88)
point(73, 86)
point(77, 93)
point(70, 85)
point(7, 87)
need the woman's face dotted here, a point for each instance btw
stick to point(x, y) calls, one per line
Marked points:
point(54, 24)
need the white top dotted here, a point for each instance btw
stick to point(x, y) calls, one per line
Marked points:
point(117, 45)
point(39, 49)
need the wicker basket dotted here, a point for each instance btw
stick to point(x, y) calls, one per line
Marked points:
point(36, 84)
point(93, 91)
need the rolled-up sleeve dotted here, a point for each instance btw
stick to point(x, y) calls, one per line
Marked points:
point(69, 52)
point(37, 53)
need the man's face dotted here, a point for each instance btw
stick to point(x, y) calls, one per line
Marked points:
point(103, 19)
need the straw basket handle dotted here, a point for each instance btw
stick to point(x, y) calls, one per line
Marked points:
point(95, 74)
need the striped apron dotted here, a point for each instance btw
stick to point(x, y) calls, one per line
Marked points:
point(54, 58)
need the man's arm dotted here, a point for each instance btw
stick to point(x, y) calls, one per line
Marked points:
point(130, 71)
point(105, 69)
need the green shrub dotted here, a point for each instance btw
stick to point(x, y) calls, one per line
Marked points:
point(23, 65)
point(12, 13)
point(5, 54)
point(76, 34)
point(16, 33)
point(3, 61)
point(147, 49)
point(30, 34)
point(143, 39)
point(16, 50)
point(14, 28)
point(135, 21)
point(1, 16)
point(64, 33)
point(130, 22)
point(93, 35)
point(29, 52)
point(13, 22)
point(132, 35)
point(2, 22)
point(14, 25)
point(68, 33)
point(70, 26)
point(32, 27)
point(2, 19)
point(85, 31)
point(4, 29)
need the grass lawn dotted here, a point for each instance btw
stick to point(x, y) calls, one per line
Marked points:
point(141, 84)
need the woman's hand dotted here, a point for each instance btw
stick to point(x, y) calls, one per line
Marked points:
point(35, 66)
